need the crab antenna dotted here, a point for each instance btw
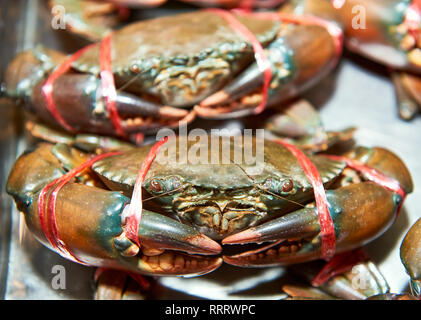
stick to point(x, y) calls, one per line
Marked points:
point(265, 190)
point(129, 82)
point(163, 194)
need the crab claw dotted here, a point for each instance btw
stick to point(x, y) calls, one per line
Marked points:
point(295, 67)
point(80, 103)
point(89, 221)
point(360, 212)
point(411, 256)
point(79, 98)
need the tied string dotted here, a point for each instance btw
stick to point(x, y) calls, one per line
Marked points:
point(49, 213)
point(262, 60)
point(344, 262)
point(259, 53)
point(328, 239)
point(134, 213)
point(374, 176)
point(108, 87)
point(309, 20)
point(413, 17)
point(47, 87)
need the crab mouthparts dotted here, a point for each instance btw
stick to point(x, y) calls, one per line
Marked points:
point(218, 219)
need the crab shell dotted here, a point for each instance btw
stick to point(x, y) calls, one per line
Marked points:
point(231, 200)
point(182, 59)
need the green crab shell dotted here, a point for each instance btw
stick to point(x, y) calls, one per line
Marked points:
point(120, 172)
point(181, 58)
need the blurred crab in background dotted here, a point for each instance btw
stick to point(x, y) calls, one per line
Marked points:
point(164, 67)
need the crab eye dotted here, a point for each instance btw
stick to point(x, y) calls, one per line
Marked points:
point(155, 185)
point(287, 186)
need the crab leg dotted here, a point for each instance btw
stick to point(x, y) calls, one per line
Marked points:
point(407, 87)
point(361, 212)
point(79, 98)
point(89, 220)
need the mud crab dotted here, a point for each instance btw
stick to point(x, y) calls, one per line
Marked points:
point(192, 211)
point(387, 32)
point(156, 83)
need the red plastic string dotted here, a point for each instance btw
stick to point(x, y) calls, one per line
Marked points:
point(54, 237)
point(375, 176)
point(138, 138)
point(108, 85)
point(342, 263)
point(134, 213)
point(47, 87)
point(259, 53)
point(413, 16)
point(325, 220)
point(308, 20)
point(339, 264)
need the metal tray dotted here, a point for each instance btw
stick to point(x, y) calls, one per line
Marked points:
point(358, 94)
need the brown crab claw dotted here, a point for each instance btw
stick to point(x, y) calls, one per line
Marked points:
point(90, 224)
point(169, 247)
point(360, 213)
point(80, 103)
point(163, 233)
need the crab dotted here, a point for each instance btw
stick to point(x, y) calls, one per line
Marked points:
point(164, 67)
point(197, 216)
point(385, 32)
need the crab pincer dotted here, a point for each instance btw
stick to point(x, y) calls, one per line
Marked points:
point(410, 253)
point(360, 212)
point(98, 238)
point(79, 98)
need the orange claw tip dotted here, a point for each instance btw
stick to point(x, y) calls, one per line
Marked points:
point(222, 112)
point(206, 244)
point(170, 112)
point(217, 98)
point(247, 236)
